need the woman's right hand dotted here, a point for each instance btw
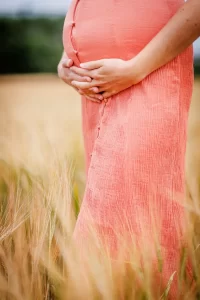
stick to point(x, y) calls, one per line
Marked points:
point(67, 75)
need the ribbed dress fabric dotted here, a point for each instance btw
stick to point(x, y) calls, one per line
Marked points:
point(135, 143)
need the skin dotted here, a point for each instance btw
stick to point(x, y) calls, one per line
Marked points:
point(68, 75)
point(111, 76)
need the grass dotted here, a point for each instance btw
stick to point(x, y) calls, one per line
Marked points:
point(41, 182)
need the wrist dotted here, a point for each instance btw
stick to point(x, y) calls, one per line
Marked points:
point(137, 70)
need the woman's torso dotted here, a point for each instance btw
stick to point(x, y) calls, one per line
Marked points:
point(96, 29)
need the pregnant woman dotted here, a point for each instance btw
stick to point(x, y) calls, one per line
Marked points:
point(131, 61)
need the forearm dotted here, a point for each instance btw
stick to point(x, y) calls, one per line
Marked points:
point(180, 32)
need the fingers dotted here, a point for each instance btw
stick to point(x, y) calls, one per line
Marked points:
point(71, 76)
point(107, 95)
point(101, 89)
point(92, 99)
point(76, 76)
point(95, 90)
point(81, 72)
point(99, 97)
point(92, 64)
point(67, 63)
point(95, 96)
point(86, 85)
point(88, 73)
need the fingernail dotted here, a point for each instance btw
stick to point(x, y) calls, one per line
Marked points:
point(89, 79)
point(100, 97)
point(66, 62)
point(95, 90)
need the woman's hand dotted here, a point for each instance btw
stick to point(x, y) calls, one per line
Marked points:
point(68, 75)
point(110, 76)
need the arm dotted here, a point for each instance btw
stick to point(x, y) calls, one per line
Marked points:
point(112, 76)
point(180, 32)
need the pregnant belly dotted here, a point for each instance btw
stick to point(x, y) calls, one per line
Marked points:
point(114, 29)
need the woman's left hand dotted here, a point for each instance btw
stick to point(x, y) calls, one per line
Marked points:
point(110, 76)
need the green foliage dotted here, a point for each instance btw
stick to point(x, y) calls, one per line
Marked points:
point(197, 69)
point(30, 45)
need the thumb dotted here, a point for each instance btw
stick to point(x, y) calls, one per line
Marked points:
point(67, 63)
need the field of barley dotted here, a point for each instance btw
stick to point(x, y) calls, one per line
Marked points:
point(40, 122)
point(40, 117)
point(41, 182)
point(39, 114)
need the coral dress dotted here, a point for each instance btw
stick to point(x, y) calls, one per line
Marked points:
point(134, 143)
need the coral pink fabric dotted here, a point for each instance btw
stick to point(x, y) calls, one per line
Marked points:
point(135, 143)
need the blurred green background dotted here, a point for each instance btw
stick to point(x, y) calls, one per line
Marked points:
point(30, 45)
point(34, 44)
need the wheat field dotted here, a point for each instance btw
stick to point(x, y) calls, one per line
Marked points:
point(40, 113)
point(41, 181)
point(40, 117)
point(39, 104)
